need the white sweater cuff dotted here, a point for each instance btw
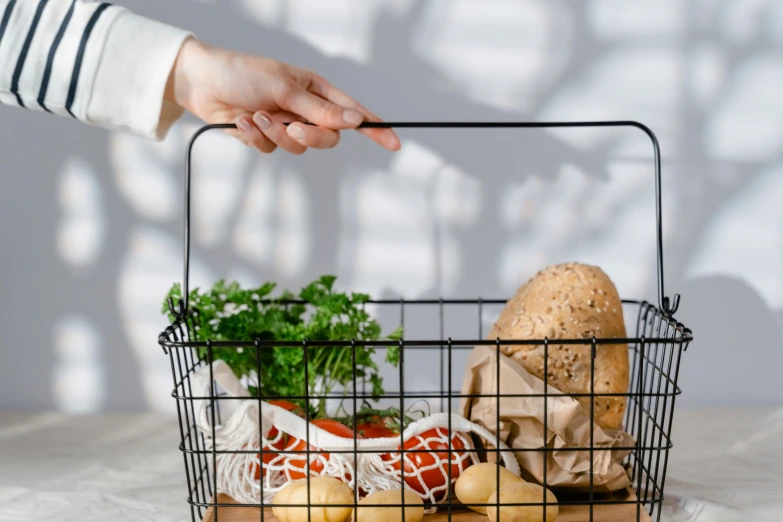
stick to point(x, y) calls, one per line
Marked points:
point(132, 74)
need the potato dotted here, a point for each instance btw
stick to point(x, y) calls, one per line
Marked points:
point(393, 513)
point(522, 492)
point(323, 491)
point(479, 481)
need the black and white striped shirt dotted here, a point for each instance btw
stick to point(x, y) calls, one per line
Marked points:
point(93, 61)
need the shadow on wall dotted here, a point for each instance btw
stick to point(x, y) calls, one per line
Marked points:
point(736, 358)
point(452, 215)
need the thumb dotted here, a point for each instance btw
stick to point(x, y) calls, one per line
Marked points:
point(319, 111)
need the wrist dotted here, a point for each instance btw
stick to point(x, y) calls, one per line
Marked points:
point(183, 76)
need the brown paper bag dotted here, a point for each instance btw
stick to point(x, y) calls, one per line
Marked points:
point(522, 426)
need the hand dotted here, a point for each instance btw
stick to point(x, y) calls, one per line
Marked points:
point(258, 94)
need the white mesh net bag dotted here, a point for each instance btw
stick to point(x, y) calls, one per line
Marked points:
point(377, 466)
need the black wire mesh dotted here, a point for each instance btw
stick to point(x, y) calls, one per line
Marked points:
point(655, 348)
point(654, 354)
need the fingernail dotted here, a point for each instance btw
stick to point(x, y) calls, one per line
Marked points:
point(352, 117)
point(296, 132)
point(243, 124)
point(262, 120)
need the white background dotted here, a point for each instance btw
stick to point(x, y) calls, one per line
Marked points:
point(90, 222)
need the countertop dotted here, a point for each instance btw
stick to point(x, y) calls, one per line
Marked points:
point(727, 465)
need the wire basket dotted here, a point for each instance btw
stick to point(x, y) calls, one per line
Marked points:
point(655, 349)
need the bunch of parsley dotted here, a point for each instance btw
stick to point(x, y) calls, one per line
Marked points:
point(318, 313)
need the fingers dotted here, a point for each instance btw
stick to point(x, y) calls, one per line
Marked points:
point(266, 133)
point(386, 138)
point(275, 131)
point(313, 136)
point(327, 108)
point(238, 134)
point(320, 111)
point(254, 136)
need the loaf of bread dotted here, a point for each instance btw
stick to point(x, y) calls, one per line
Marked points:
point(571, 301)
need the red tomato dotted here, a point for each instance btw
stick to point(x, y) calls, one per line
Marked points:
point(286, 405)
point(273, 434)
point(316, 463)
point(432, 466)
point(377, 428)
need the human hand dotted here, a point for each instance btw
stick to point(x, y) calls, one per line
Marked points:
point(259, 95)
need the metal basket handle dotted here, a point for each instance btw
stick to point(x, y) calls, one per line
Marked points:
point(666, 305)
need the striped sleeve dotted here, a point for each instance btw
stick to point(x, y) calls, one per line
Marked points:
point(91, 61)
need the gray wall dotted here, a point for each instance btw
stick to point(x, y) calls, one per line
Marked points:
point(90, 221)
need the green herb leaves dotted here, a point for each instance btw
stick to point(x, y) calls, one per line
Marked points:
point(228, 312)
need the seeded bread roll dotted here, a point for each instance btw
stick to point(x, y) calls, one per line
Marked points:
point(571, 301)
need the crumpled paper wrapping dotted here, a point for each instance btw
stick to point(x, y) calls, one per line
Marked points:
point(522, 426)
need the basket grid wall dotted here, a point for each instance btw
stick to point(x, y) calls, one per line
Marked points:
point(654, 357)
